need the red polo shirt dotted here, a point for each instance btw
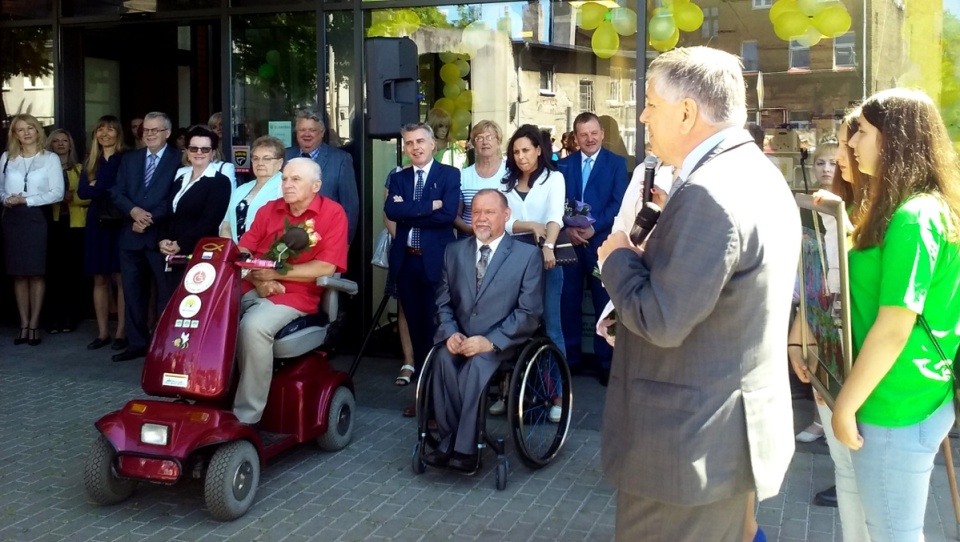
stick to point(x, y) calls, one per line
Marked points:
point(329, 221)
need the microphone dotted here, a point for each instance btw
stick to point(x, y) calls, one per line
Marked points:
point(295, 239)
point(646, 220)
point(649, 171)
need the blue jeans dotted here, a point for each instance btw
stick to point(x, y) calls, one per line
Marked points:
point(892, 471)
point(552, 292)
point(852, 522)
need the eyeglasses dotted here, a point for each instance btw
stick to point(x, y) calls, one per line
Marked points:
point(485, 137)
point(258, 159)
point(203, 150)
point(151, 131)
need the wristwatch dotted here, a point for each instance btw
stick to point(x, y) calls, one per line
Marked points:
point(496, 349)
point(549, 245)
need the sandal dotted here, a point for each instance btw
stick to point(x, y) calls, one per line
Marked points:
point(403, 380)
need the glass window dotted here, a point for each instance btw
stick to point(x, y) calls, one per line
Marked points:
point(616, 76)
point(586, 95)
point(799, 56)
point(632, 85)
point(27, 73)
point(845, 51)
point(342, 118)
point(18, 10)
point(711, 23)
point(274, 74)
point(749, 54)
point(546, 78)
point(762, 4)
point(124, 7)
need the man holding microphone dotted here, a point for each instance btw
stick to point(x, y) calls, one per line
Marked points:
point(698, 408)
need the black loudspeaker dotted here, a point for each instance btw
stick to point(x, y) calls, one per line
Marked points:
point(392, 72)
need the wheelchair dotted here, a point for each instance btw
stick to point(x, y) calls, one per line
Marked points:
point(537, 376)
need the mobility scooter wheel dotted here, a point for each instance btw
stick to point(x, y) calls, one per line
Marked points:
point(501, 474)
point(232, 478)
point(102, 485)
point(339, 421)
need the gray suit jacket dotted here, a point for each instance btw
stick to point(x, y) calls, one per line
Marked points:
point(508, 307)
point(339, 182)
point(698, 406)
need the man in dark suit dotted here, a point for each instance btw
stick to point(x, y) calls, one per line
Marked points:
point(336, 166)
point(599, 178)
point(143, 193)
point(698, 409)
point(489, 303)
point(423, 200)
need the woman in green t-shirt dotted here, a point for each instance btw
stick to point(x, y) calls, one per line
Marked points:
point(895, 406)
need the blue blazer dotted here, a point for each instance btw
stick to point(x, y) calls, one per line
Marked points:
point(129, 192)
point(608, 181)
point(436, 227)
point(339, 183)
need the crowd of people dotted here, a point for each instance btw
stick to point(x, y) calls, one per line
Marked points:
point(698, 390)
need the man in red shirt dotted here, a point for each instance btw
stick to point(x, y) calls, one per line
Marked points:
point(271, 300)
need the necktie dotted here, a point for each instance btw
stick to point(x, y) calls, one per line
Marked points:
point(482, 264)
point(305, 155)
point(417, 194)
point(585, 175)
point(151, 168)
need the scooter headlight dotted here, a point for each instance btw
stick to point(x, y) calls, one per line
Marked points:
point(154, 433)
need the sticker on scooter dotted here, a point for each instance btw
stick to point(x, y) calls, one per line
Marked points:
point(182, 342)
point(199, 278)
point(175, 381)
point(207, 256)
point(190, 306)
point(178, 323)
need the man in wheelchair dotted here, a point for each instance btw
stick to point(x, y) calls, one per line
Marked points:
point(489, 303)
point(272, 300)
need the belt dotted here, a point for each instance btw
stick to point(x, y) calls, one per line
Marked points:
point(414, 251)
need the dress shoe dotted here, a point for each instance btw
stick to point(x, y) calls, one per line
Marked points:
point(603, 376)
point(409, 411)
point(34, 337)
point(98, 343)
point(129, 354)
point(23, 337)
point(437, 458)
point(827, 497)
point(120, 343)
point(463, 462)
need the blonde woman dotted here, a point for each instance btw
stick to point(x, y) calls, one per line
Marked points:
point(30, 178)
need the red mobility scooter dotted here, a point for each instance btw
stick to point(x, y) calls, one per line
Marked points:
point(190, 361)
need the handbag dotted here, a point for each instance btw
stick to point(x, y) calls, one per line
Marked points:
point(933, 338)
point(381, 250)
point(108, 214)
point(563, 249)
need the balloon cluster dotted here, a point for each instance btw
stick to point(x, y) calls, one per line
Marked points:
point(457, 98)
point(809, 21)
point(608, 25)
point(388, 23)
point(268, 69)
point(668, 20)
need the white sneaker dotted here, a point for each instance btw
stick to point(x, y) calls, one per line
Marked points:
point(555, 413)
point(498, 409)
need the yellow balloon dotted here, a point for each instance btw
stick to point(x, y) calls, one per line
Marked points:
point(449, 73)
point(446, 104)
point(667, 44)
point(462, 84)
point(378, 30)
point(662, 26)
point(810, 7)
point(810, 38)
point(689, 17)
point(461, 118)
point(605, 41)
point(447, 57)
point(624, 21)
point(451, 90)
point(833, 21)
point(463, 67)
point(591, 15)
point(782, 6)
point(791, 24)
point(464, 100)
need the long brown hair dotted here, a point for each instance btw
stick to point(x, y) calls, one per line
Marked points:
point(854, 192)
point(916, 157)
point(93, 159)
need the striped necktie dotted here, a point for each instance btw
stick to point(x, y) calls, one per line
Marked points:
point(151, 168)
point(482, 264)
point(417, 194)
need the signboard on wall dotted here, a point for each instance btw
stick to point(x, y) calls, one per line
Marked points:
point(241, 158)
point(282, 130)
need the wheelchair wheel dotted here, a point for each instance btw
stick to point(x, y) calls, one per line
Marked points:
point(426, 436)
point(541, 380)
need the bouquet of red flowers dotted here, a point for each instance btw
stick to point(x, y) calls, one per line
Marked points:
point(576, 214)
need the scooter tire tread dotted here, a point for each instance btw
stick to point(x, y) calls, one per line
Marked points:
point(102, 485)
point(218, 483)
point(332, 440)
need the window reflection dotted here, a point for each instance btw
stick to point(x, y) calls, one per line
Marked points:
point(27, 73)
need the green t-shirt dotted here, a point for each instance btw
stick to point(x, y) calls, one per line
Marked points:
point(916, 268)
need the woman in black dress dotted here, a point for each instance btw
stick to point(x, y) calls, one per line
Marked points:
point(30, 180)
point(102, 257)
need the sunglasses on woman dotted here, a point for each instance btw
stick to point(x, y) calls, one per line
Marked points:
point(204, 150)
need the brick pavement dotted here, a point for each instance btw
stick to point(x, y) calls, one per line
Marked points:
point(50, 396)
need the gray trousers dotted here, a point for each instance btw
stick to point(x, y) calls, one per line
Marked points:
point(457, 385)
point(640, 519)
point(260, 320)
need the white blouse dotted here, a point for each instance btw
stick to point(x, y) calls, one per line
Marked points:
point(43, 176)
point(543, 204)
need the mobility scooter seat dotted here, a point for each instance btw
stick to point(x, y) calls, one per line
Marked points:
point(310, 332)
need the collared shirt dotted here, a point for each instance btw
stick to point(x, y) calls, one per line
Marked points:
point(426, 173)
point(330, 222)
point(699, 152)
point(313, 154)
point(159, 155)
point(493, 248)
point(593, 158)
